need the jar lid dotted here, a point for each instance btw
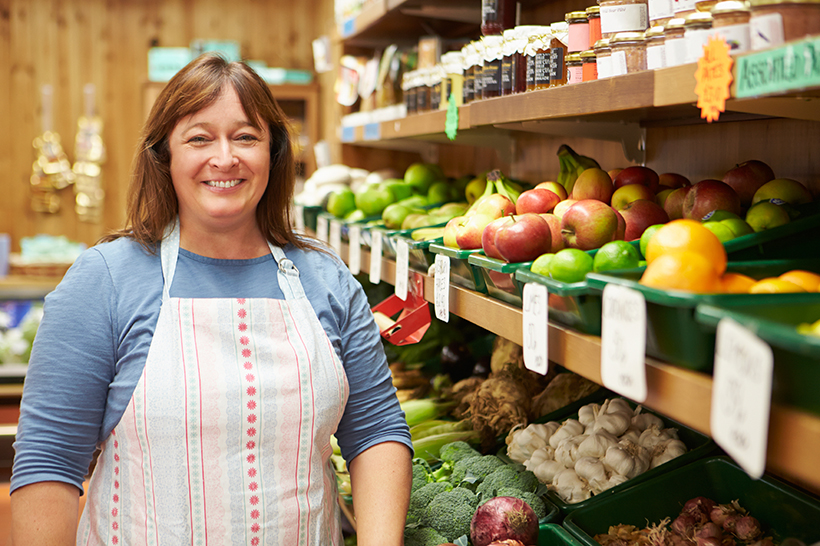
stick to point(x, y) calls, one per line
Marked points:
point(653, 32)
point(699, 18)
point(675, 23)
point(594, 11)
point(588, 54)
point(509, 33)
point(493, 40)
point(626, 37)
point(559, 26)
point(761, 3)
point(603, 43)
point(730, 6)
point(574, 58)
point(576, 16)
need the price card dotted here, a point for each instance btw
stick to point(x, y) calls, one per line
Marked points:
point(375, 257)
point(354, 258)
point(623, 341)
point(714, 78)
point(321, 228)
point(336, 236)
point(442, 287)
point(534, 328)
point(741, 395)
point(299, 218)
point(402, 268)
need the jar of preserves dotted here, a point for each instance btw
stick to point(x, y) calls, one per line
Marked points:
point(534, 45)
point(507, 50)
point(578, 39)
point(623, 16)
point(497, 16)
point(543, 58)
point(468, 54)
point(453, 63)
point(674, 45)
point(697, 30)
point(422, 91)
point(684, 8)
point(408, 90)
point(434, 77)
point(519, 57)
point(575, 68)
point(558, 53)
point(589, 65)
point(603, 58)
point(730, 21)
point(774, 22)
point(660, 12)
point(478, 85)
point(491, 72)
point(628, 53)
point(655, 57)
point(594, 18)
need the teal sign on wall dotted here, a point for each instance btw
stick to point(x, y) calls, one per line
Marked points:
point(788, 68)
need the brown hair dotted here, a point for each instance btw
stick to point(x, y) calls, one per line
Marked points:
point(152, 202)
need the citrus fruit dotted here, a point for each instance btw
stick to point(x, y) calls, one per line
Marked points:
point(570, 265)
point(616, 255)
point(773, 285)
point(810, 282)
point(685, 270)
point(723, 232)
point(541, 265)
point(646, 235)
point(687, 235)
point(736, 283)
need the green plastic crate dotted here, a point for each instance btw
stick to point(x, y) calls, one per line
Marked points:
point(419, 254)
point(672, 333)
point(389, 237)
point(310, 214)
point(499, 277)
point(782, 510)
point(461, 272)
point(577, 304)
point(551, 534)
point(796, 356)
point(783, 242)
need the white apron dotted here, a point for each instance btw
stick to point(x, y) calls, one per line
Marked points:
point(226, 438)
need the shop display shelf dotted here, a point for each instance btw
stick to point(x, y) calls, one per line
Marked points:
point(461, 272)
point(419, 253)
point(499, 277)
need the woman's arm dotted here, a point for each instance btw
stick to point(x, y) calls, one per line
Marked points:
point(44, 514)
point(380, 477)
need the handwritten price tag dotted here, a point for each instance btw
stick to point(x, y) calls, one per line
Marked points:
point(354, 257)
point(534, 328)
point(713, 76)
point(442, 288)
point(741, 395)
point(623, 341)
point(321, 228)
point(336, 236)
point(375, 257)
point(402, 268)
point(299, 218)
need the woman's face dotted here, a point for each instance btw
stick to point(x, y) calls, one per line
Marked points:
point(219, 165)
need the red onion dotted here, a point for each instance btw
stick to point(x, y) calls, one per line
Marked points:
point(684, 525)
point(503, 518)
point(699, 508)
point(709, 530)
point(708, 541)
point(730, 522)
point(747, 528)
point(720, 512)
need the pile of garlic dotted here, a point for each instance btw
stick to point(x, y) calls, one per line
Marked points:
point(607, 445)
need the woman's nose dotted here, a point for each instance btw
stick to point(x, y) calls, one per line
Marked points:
point(224, 157)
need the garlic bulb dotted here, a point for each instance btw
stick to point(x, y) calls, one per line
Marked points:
point(546, 470)
point(568, 428)
point(643, 421)
point(614, 423)
point(540, 455)
point(614, 479)
point(654, 435)
point(628, 459)
point(632, 434)
point(567, 451)
point(593, 471)
point(570, 487)
point(666, 451)
point(596, 444)
point(618, 405)
point(587, 414)
point(522, 442)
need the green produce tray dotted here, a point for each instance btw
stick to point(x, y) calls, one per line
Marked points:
point(419, 253)
point(783, 242)
point(461, 272)
point(699, 446)
point(499, 277)
point(577, 304)
point(672, 333)
point(796, 356)
point(389, 237)
point(551, 534)
point(783, 511)
point(310, 214)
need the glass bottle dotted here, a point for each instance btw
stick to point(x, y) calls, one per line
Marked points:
point(497, 16)
point(507, 58)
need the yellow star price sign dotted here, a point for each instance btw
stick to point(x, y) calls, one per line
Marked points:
point(714, 77)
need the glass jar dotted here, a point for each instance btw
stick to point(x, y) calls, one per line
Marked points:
point(558, 53)
point(655, 57)
point(409, 90)
point(594, 18)
point(684, 8)
point(507, 57)
point(478, 85)
point(519, 57)
point(661, 11)
point(453, 63)
point(535, 43)
point(774, 22)
point(623, 16)
point(422, 91)
point(697, 29)
point(575, 68)
point(705, 5)
point(603, 58)
point(491, 73)
point(434, 77)
point(674, 44)
point(589, 65)
point(468, 55)
point(730, 21)
point(578, 39)
point(497, 16)
point(628, 53)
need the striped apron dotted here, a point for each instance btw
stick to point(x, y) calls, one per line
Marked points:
point(226, 439)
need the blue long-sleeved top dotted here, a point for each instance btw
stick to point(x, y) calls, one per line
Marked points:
point(93, 341)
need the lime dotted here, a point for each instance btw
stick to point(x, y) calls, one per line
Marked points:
point(541, 265)
point(723, 232)
point(738, 226)
point(570, 265)
point(616, 255)
point(647, 234)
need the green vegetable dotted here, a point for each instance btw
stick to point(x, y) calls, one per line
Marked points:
point(450, 513)
point(421, 498)
point(429, 447)
point(422, 536)
point(455, 451)
point(475, 469)
point(425, 409)
point(421, 477)
point(505, 477)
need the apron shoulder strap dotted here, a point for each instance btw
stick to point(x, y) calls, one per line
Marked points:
point(288, 274)
point(169, 252)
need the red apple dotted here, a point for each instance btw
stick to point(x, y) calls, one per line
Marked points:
point(621, 231)
point(523, 240)
point(555, 229)
point(746, 178)
point(673, 205)
point(537, 200)
point(631, 192)
point(614, 172)
point(488, 236)
point(593, 184)
point(495, 205)
point(554, 187)
point(708, 195)
point(641, 214)
point(673, 180)
point(450, 231)
point(469, 231)
point(588, 224)
point(637, 175)
point(563, 206)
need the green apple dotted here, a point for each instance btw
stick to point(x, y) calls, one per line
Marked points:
point(374, 200)
point(340, 203)
point(766, 215)
point(422, 176)
point(738, 226)
point(722, 231)
point(785, 189)
point(541, 265)
point(355, 216)
point(415, 201)
point(395, 213)
point(441, 192)
point(475, 189)
point(718, 215)
point(398, 188)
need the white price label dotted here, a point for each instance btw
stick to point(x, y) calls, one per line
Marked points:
point(336, 236)
point(623, 341)
point(354, 257)
point(375, 257)
point(741, 395)
point(402, 268)
point(534, 328)
point(299, 218)
point(442, 288)
point(321, 228)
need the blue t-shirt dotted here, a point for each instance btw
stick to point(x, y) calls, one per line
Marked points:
point(93, 341)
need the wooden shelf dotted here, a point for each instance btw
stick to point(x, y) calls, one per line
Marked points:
point(26, 288)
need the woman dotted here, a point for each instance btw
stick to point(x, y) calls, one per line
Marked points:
point(210, 353)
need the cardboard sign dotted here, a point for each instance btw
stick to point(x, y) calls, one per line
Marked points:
point(714, 77)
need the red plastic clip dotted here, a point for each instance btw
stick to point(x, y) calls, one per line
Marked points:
point(414, 319)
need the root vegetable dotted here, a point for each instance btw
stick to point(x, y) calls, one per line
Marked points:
point(684, 525)
point(499, 404)
point(709, 530)
point(710, 541)
point(747, 528)
point(720, 512)
point(504, 518)
point(700, 508)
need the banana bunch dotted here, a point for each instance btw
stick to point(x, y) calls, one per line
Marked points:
point(497, 183)
point(572, 164)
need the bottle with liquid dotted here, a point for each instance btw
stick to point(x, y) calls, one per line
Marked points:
point(497, 16)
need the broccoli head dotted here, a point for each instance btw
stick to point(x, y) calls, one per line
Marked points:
point(420, 477)
point(421, 498)
point(423, 536)
point(529, 482)
point(455, 451)
point(536, 503)
point(475, 469)
point(502, 477)
point(451, 512)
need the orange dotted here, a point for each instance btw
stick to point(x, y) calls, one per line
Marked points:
point(810, 282)
point(736, 283)
point(685, 270)
point(773, 285)
point(686, 235)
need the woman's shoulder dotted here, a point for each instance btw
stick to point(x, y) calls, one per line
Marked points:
point(122, 256)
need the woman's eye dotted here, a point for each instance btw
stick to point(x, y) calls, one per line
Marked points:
point(248, 138)
point(197, 139)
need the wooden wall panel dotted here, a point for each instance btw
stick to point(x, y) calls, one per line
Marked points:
point(68, 43)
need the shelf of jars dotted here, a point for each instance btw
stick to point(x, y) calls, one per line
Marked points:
point(684, 395)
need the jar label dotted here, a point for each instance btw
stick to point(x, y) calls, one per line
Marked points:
point(435, 97)
point(578, 37)
point(542, 68)
point(530, 70)
point(655, 57)
point(507, 76)
point(468, 88)
point(604, 67)
point(491, 80)
point(575, 74)
point(557, 65)
point(661, 9)
point(695, 40)
point(684, 5)
point(624, 18)
point(421, 99)
point(736, 37)
point(618, 59)
point(478, 84)
point(766, 31)
point(675, 52)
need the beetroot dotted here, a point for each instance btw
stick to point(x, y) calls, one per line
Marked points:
point(503, 518)
point(747, 528)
